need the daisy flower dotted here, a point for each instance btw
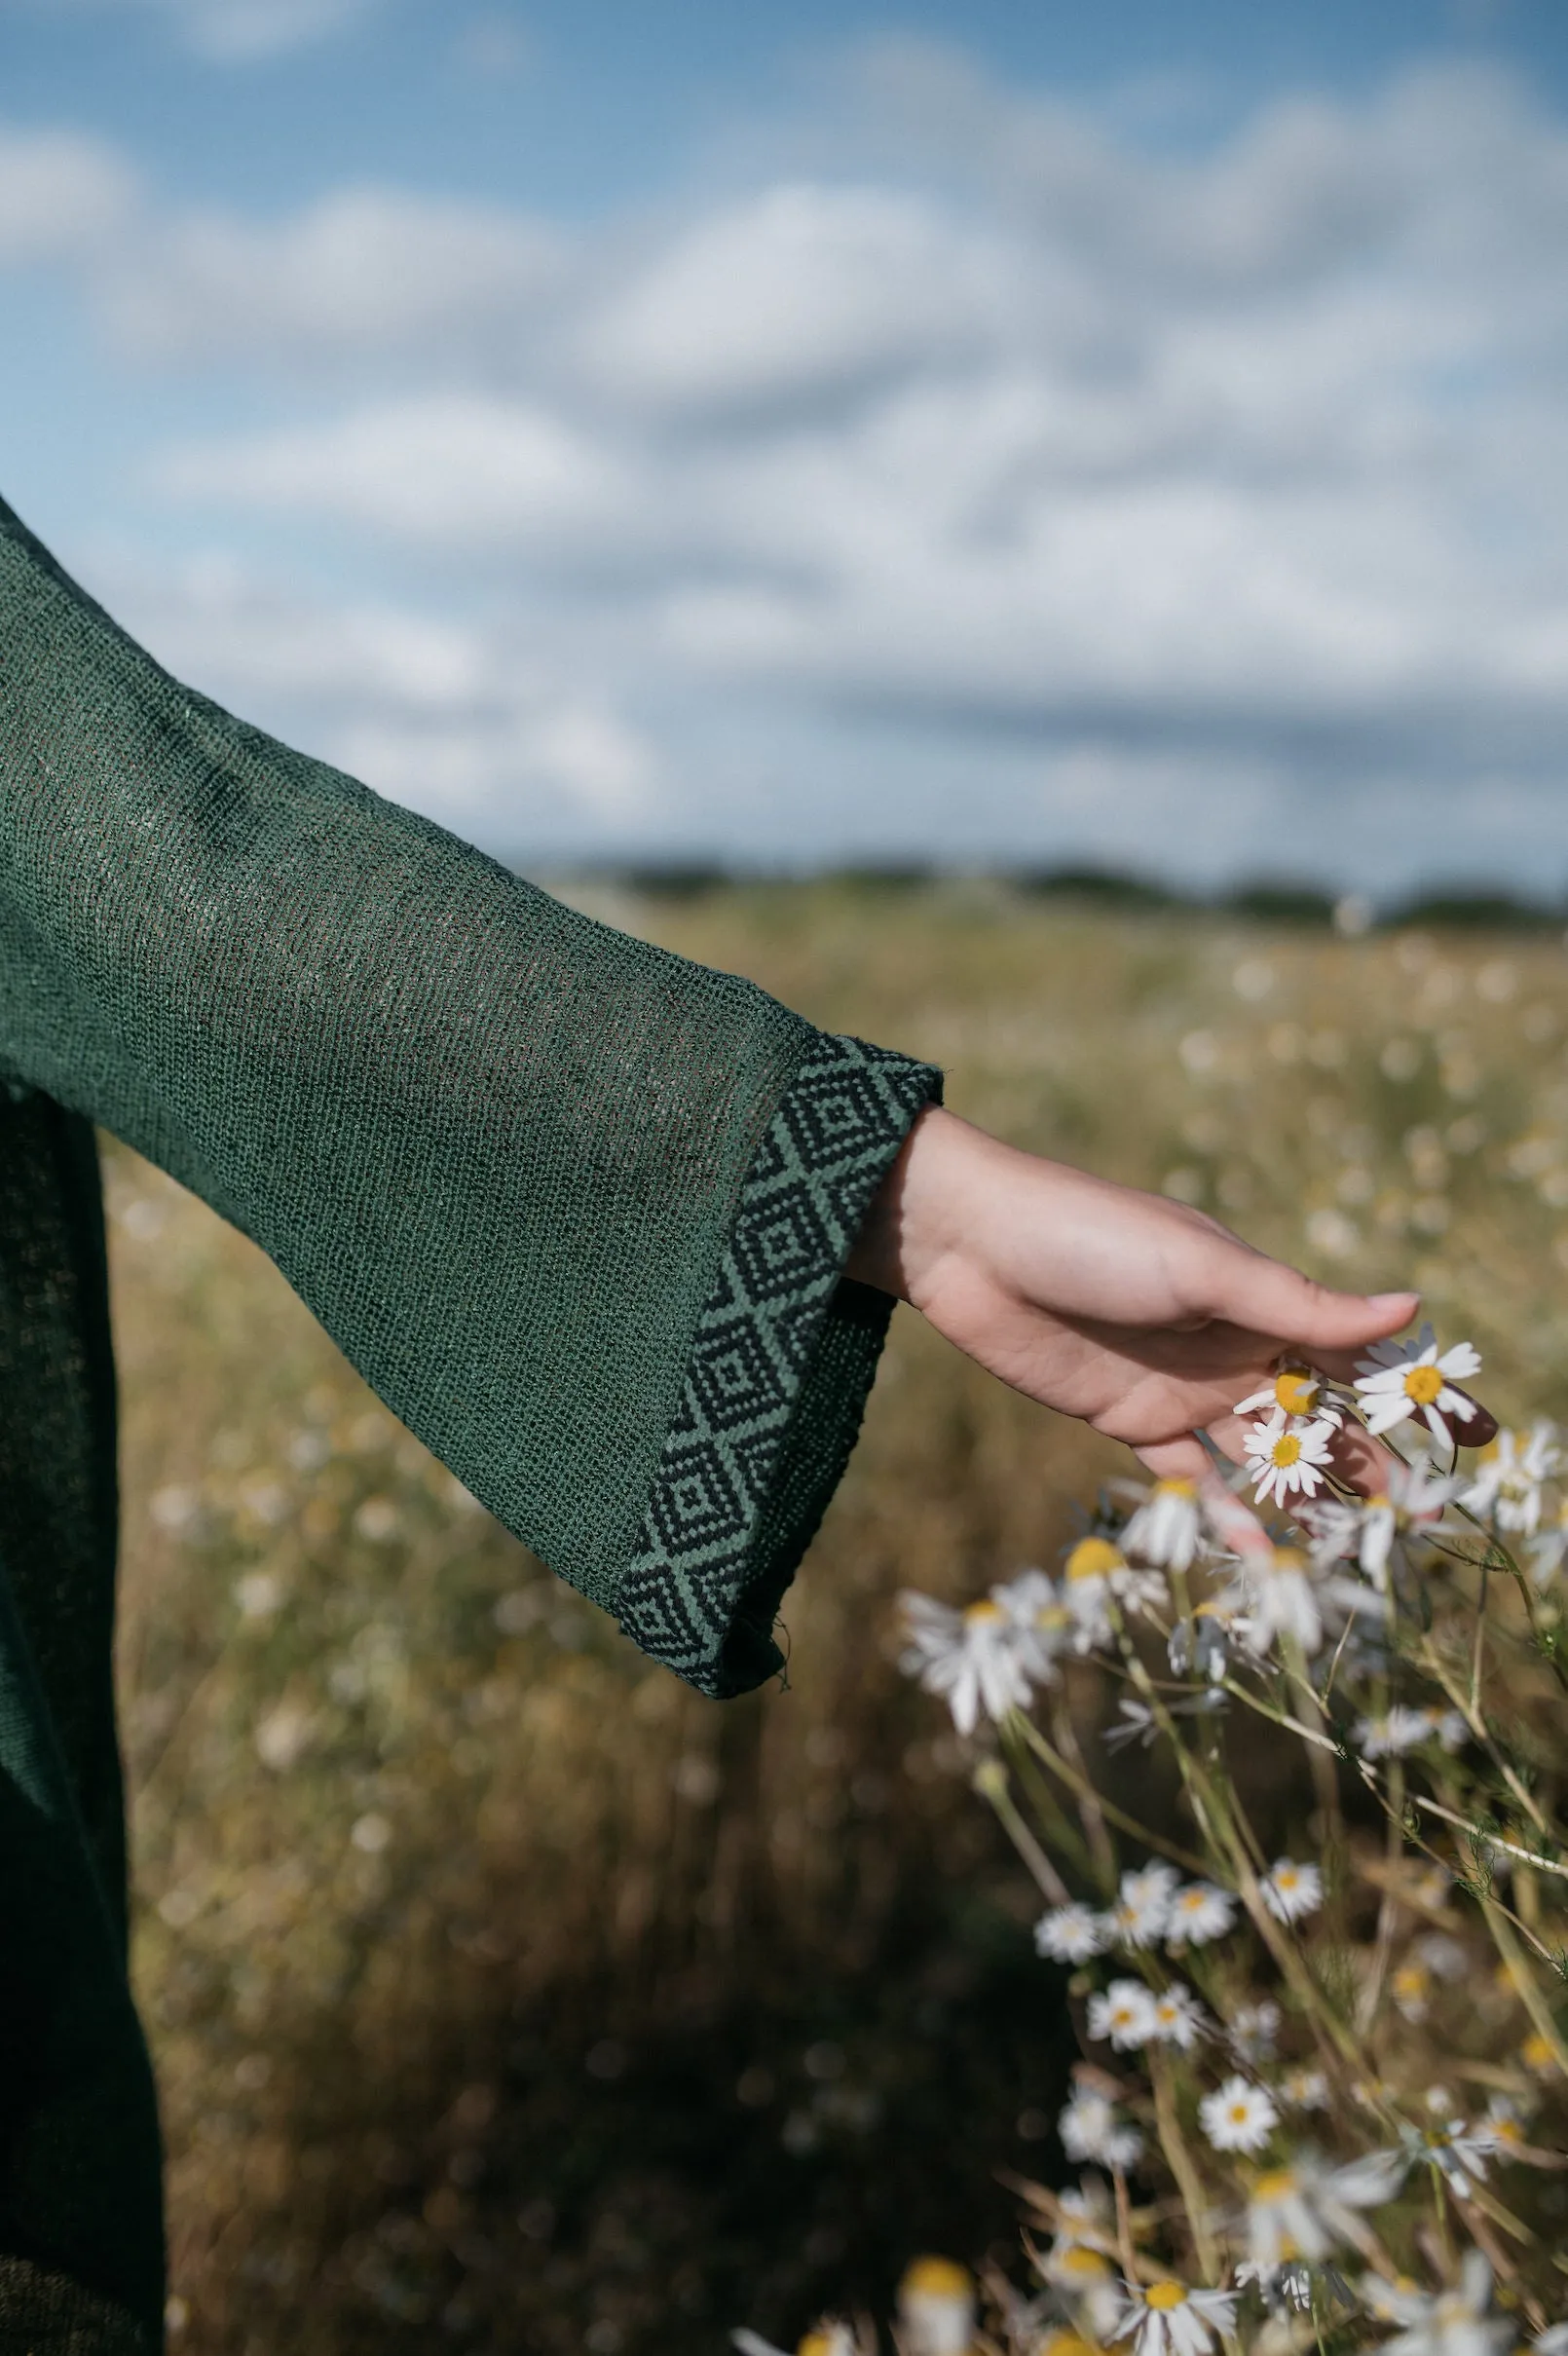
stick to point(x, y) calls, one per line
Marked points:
point(1199, 1912)
point(935, 2308)
point(1238, 2116)
point(1447, 2323)
point(1097, 1570)
point(1167, 2318)
point(1069, 1935)
point(1143, 1907)
point(1125, 2014)
point(1295, 1391)
point(1509, 1473)
point(1084, 2277)
point(1504, 2123)
point(1397, 1380)
point(1090, 2130)
point(826, 2338)
point(1200, 1647)
point(1459, 2153)
point(1167, 1530)
point(1548, 1547)
point(1411, 1990)
point(979, 1660)
point(1033, 1601)
point(1404, 1729)
point(1285, 1455)
point(1253, 2030)
point(1551, 2342)
point(1292, 1890)
point(1302, 2211)
point(1304, 2090)
point(1179, 2019)
point(1276, 1596)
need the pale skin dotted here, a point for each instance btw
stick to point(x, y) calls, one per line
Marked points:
point(1142, 1317)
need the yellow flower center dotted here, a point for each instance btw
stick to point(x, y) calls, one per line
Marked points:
point(1065, 2344)
point(815, 2344)
point(1162, 2297)
point(1379, 1504)
point(1536, 2052)
point(1287, 1878)
point(1288, 1558)
point(1175, 1489)
point(1422, 1384)
point(1507, 2130)
point(1411, 1980)
point(1095, 1558)
point(1240, 2114)
point(1087, 2263)
point(1287, 1451)
point(937, 2278)
point(1295, 1391)
point(1278, 2183)
point(979, 1614)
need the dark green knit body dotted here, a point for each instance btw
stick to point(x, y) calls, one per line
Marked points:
point(576, 1208)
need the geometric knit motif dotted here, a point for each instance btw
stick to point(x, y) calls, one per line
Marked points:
point(830, 1143)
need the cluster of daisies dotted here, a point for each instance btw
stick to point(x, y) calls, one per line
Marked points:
point(1325, 1587)
point(1245, 2095)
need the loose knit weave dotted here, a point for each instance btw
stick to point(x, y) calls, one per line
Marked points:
point(578, 1210)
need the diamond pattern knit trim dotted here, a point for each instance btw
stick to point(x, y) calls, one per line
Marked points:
point(784, 1354)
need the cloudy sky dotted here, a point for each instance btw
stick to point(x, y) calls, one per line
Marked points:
point(972, 429)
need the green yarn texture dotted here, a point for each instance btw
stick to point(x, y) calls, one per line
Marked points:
point(576, 1208)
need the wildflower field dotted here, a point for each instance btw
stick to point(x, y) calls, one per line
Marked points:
point(1162, 1955)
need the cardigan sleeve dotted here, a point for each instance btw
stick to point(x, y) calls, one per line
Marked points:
point(578, 1210)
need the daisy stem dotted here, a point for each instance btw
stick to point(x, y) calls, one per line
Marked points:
point(1092, 1810)
point(991, 1781)
point(1488, 1840)
point(1478, 1647)
point(1281, 1717)
point(1524, 1982)
point(1545, 1645)
point(1432, 1662)
point(1078, 1783)
point(1124, 2228)
point(1052, 1821)
point(1324, 1779)
point(1179, 2161)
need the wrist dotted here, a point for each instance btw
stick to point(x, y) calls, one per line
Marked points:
point(916, 1222)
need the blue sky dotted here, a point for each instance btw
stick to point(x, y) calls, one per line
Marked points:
point(995, 433)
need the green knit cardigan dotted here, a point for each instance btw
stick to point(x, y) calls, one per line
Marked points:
point(576, 1208)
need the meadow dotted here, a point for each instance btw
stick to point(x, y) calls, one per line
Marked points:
point(504, 1993)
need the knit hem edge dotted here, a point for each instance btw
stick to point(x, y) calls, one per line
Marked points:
point(782, 1360)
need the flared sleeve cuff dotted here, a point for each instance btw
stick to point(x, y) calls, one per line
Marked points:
point(780, 1365)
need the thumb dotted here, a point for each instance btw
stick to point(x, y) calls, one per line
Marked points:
point(1267, 1297)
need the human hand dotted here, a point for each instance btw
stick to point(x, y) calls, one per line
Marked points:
point(1141, 1315)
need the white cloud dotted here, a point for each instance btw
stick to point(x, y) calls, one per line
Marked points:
point(1246, 462)
point(799, 292)
point(239, 31)
point(367, 273)
point(64, 195)
point(460, 470)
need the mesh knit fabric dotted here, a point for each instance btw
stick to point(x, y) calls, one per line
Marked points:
point(576, 1208)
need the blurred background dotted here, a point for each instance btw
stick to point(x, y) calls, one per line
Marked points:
point(1038, 533)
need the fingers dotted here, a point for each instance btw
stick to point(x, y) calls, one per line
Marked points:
point(1183, 1459)
point(1268, 1297)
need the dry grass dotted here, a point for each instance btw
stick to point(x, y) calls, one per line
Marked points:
point(504, 1993)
